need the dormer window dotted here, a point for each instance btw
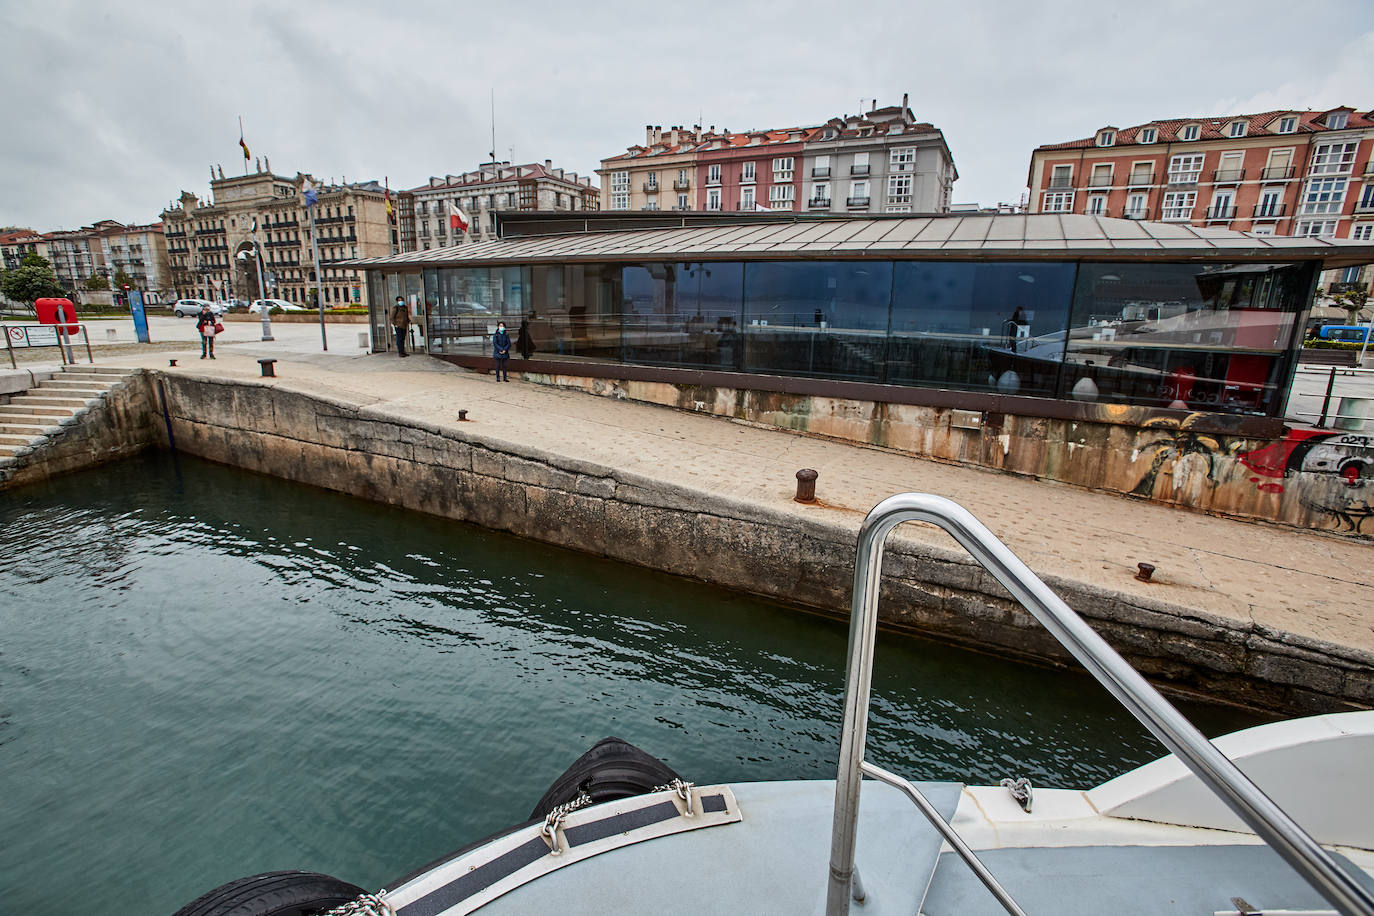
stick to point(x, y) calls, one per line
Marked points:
point(1238, 128)
point(1147, 135)
point(1106, 137)
point(1189, 133)
point(1337, 120)
point(1288, 125)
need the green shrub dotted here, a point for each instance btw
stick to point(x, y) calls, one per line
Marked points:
point(1332, 344)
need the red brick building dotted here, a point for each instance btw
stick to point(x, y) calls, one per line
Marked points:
point(759, 170)
point(1301, 173)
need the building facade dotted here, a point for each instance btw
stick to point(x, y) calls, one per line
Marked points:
point(481, 193)
point(137, 252)
point(882, 161)
point(204, 238)
point(15, 244)
point(660, 175)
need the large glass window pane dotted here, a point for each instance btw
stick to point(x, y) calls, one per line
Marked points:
point(466, 309)
point(817, 318)
point(979, 326)
point(683, 314)
point(1209, 337)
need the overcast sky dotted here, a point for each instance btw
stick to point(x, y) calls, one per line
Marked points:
point(111, 110)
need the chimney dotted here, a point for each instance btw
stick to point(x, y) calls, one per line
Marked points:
point(648, 135)
point(548, 164)
point(905, 104)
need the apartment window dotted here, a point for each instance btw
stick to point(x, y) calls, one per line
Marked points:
point(899, 189)
point(897, 210)
point(902, 160)
point(620, 191)
point(1135, 207)
point(820, 192)
point(651, 205)
point(1178, 205)
point(1142, 173)
point(746, 199)
point(1223, 205)
point(1270, 204)
point(1238, 128)
point(1323, 195)
point(746, 173)
point(1185, 168)
point(1363, 232)
point(1288, 125)
point(1106, 138)
point(1315, 227)
point(1333, 158)
point(682, 202)
point(1101, 176)
point(682, 176)
point(782, 169)
point(1148, 135)
point(1061, 176)
point(860, 166)
point(713, 174)
point(652, 181)
point(1337, 120)
point(713, 199)
point(1367, 197)
point(1058, 202)
point(1097, 205)
point(780, 197)
point(820, 167)
point(1189, 133)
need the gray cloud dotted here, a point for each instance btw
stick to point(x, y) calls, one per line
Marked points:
point(113, 111)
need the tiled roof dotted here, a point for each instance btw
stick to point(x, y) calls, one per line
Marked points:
point(1048, 236)
point(1215, 127)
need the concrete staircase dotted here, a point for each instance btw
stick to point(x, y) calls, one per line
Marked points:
point(33, 417)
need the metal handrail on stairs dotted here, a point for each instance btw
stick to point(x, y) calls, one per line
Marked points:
point(1217, 772)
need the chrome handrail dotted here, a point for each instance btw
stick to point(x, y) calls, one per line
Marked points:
point(1179, 735)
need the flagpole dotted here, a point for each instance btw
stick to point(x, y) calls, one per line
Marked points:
point(319, 274)
point(245, 148)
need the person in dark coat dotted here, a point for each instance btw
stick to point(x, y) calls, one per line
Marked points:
point(400, 320)
point(524, 340)
point(500, 351)
point(205, 326)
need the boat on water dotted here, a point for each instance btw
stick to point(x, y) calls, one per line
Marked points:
point(1276, 820)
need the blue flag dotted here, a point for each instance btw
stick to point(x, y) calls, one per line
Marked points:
point(311, 195)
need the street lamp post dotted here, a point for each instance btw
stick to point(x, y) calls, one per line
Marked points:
point(262, 290)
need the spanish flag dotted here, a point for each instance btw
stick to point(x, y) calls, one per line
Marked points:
point(246, 155)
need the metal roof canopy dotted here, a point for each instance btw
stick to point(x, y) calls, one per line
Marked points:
point(954, 236)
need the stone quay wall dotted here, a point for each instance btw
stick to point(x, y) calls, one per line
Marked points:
point(455, 472)
point(1315, 479)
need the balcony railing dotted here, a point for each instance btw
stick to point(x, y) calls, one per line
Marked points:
point(1228, 176)
point(746, 179)
point(1267, 210)
point(1135, 213)
point(682, 185)
point(1221, 213)
point(1103, 211)
point(651, 187)
point(746, 205)
point(858, 170)
point(1140, 179)
point(1099, 181)
point(1277, 173)
point(819, 203)
point(1061, 184)
point(854, 202)
point(823, 172)
point(713, 179)
point(682, 206)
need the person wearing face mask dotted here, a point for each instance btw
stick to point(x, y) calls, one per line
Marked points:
point(500, 350)
point(400, 320)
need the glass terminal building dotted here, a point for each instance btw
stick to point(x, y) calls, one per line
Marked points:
point(955, 309)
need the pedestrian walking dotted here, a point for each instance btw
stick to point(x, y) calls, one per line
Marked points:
point(207, 325)
point(524, 340)
point(500, 351)
point(400, 320)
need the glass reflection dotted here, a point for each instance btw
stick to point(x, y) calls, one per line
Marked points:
point(683, 314)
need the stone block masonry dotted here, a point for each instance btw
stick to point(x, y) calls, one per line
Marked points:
point(461, 471)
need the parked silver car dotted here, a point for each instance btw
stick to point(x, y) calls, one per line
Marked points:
point(189, 308)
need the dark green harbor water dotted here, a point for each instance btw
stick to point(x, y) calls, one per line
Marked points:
point(206, 674)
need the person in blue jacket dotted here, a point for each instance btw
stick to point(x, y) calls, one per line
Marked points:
point(500, 351)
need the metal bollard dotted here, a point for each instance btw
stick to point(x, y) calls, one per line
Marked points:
point(171, 362)
point(267, 370)
point(1146, 571)
point(806, 486)
point(462, 415)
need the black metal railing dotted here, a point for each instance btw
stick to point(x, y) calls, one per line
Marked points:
point(1140, 179)
point(1099, 181)
point(1129, 212)
point(858, 170)
point(651, 187)
point(821, 172)
point(681, 185)
point(1228, 175)
point(1060, 184)
point(1266, 210)
point(1220, 213)
point(821, 203)
point(1277, 173)
point(856, 202)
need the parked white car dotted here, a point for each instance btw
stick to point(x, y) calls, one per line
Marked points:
point(190, 308)
point(256, 307)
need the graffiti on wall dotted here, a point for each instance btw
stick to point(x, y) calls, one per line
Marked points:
point(1348, 457)
point(1177, 443)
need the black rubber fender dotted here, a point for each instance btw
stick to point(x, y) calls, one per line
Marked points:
point(274, 893)
point(611, 770)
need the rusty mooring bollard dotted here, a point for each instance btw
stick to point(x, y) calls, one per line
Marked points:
point(806, 486)
point(462, 415)
point(267, 370)
point(1146, 571)
point(171, 362)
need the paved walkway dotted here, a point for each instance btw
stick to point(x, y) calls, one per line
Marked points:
point(1302, 582)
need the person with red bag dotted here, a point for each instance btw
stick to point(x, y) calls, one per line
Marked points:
point(207, 323)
